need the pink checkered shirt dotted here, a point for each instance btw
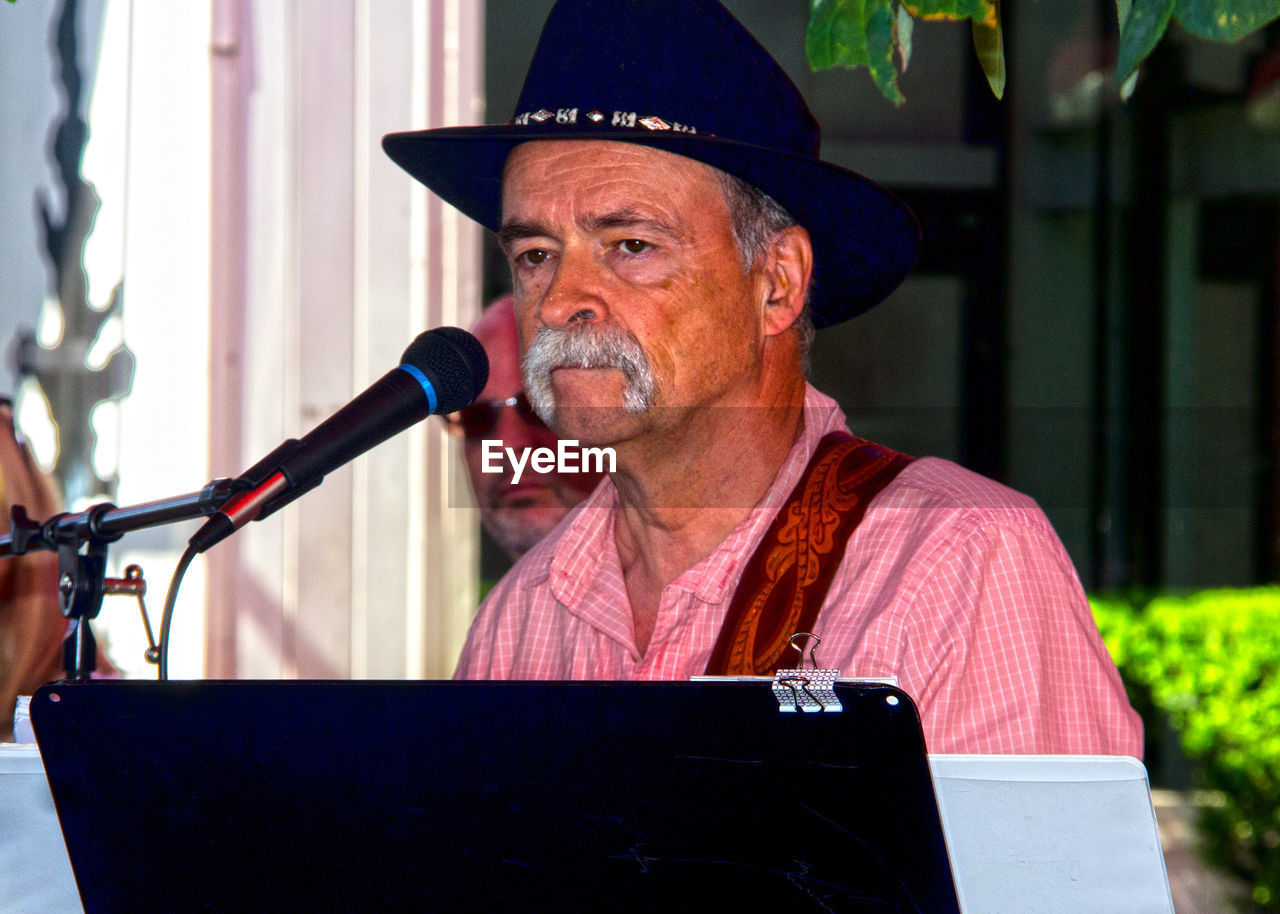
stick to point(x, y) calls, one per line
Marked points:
point(952, 583)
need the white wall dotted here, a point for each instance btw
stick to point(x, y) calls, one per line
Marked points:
point(275, 264)
point(149, 157)
point(144, 65)
point(328, 260)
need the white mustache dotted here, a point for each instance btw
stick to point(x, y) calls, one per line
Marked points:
point(585, 346)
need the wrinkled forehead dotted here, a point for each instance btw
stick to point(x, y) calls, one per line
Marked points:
point(555, 169)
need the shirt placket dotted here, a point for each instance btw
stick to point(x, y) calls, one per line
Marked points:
point(669, 648)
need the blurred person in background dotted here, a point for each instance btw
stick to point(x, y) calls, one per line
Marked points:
point(517, 515)
point(31, 622)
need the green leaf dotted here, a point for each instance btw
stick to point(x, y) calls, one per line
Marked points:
point(1140, 33)
point(881, 34)
point(837, 34)
point(978, 10)
point(1129, 85)
point(856, 33)
point(819, 49)
point(906, 26)
point(988, 42)
point(1225, 20)
point(1122, 15)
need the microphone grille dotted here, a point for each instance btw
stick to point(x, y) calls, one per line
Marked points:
point(454, 361)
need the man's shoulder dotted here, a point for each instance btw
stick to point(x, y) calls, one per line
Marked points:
point(935, 482)
point(937, 522)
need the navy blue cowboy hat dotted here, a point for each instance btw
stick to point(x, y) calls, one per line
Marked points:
point(686, 77)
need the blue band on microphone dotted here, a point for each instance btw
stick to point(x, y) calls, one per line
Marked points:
point(422, 379)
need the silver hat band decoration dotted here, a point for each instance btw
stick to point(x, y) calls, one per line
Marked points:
point(569, 116)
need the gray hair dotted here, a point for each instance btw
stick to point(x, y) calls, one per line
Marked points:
point(756, 218)
point(584, 345)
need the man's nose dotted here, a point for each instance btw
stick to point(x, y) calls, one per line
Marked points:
point(576, 292)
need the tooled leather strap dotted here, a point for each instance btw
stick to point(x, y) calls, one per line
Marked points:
point(787, 577)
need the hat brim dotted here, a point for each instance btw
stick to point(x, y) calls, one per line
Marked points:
point(865, 239)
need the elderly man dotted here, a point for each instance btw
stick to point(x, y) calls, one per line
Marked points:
point(517, 514)
point(672, 236)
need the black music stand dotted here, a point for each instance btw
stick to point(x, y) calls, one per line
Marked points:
point(444, 796)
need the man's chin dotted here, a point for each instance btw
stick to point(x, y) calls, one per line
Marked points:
point(596, 426)
point(517, 529)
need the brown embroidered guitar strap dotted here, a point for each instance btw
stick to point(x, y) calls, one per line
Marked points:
point(787, 577)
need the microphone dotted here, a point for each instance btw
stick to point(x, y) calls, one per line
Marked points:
point(442, 371)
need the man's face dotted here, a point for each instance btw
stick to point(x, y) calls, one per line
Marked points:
point(622, 241)
point(516, 515)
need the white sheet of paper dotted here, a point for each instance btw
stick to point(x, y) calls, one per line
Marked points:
point(1051, 833)
point(35, 875)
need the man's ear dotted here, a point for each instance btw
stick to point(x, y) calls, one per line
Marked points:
point(788, 269)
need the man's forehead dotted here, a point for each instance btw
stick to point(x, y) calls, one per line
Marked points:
point(497, 332)
point(612, 179)
point(541, 157)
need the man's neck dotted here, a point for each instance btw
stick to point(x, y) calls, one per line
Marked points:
point(681, 498)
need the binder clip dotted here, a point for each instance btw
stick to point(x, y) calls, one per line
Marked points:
point(811, 691)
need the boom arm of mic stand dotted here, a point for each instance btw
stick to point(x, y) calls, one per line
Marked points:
point(82, 574)
point(107, 522)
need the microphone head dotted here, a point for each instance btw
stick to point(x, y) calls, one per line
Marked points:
point(454, 361)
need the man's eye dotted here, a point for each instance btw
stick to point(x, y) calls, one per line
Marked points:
point(533, 257)
point(634, 246)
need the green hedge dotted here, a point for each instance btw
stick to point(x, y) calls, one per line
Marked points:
point(1208, 664)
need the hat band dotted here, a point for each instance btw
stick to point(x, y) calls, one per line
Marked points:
point(570, 117)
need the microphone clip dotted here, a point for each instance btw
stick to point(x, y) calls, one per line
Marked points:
point(262, 471)
point(260, 491)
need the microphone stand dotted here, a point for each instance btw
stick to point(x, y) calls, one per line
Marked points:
point(81, 541)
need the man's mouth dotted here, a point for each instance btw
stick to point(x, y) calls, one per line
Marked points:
point(519, 494)
point(566, 351)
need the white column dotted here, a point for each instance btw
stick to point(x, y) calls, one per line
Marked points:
point(149, 153)
point(334, 260)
